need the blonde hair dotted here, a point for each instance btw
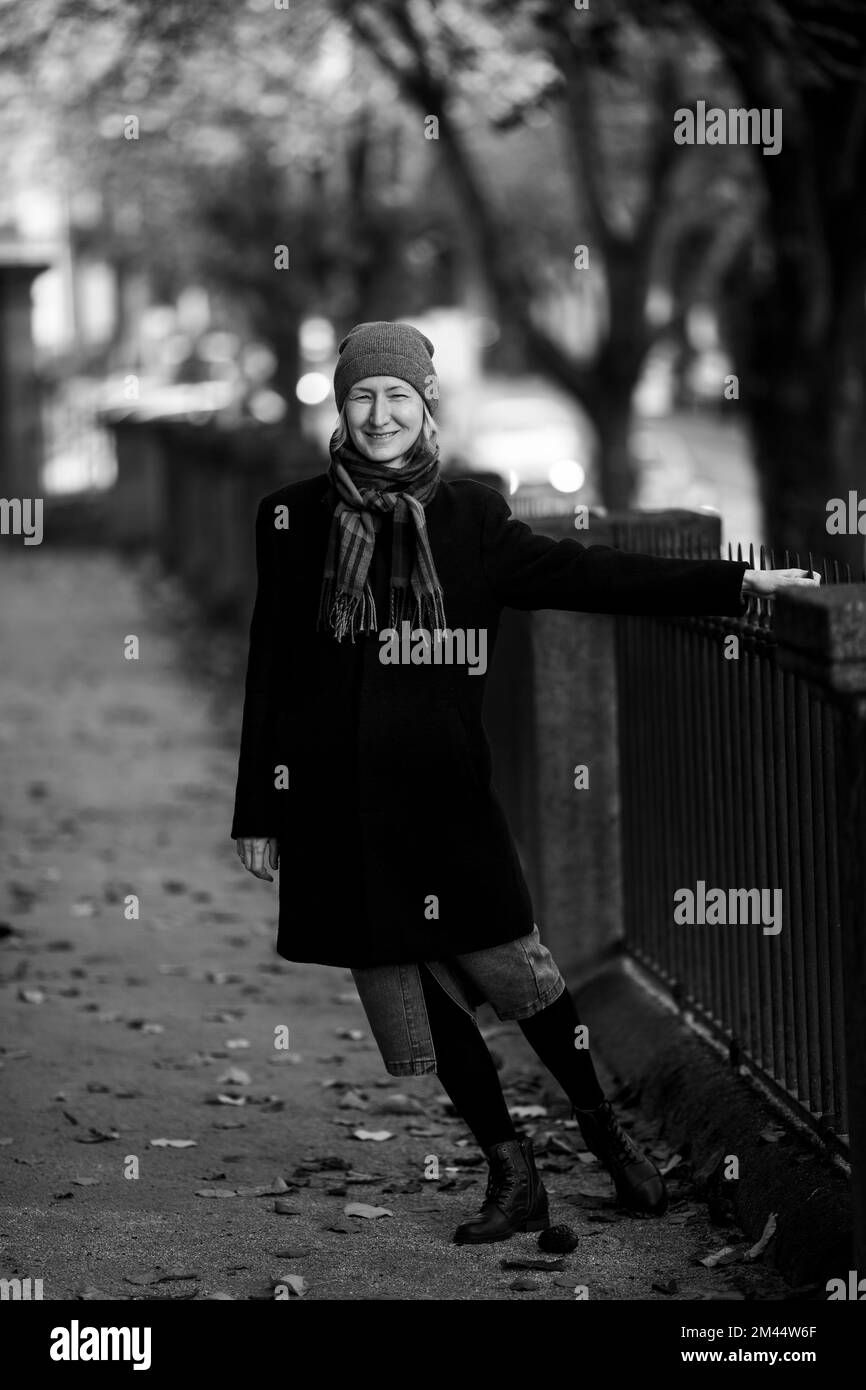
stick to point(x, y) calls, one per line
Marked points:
point(429, 428)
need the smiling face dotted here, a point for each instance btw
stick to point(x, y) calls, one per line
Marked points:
point(384, 416)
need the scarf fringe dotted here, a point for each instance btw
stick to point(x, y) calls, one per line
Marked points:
point(428, 611)
point(346, 614)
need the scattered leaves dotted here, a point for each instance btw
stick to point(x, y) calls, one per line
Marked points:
point(362, 1209)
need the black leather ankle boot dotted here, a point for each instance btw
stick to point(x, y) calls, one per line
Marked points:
point(639, 1185)
point(515, 1199)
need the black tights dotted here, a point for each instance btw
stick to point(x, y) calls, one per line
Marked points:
point(466, 1070)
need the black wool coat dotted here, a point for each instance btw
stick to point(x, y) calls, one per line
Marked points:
point(393, 845)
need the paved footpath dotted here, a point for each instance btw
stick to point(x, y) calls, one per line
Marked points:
point(145, 1100)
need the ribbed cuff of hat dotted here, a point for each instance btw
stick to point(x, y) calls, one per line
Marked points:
point(387, 349)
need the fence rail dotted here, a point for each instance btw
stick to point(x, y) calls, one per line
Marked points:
point(729, 782)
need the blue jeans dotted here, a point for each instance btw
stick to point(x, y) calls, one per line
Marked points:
point(518, 979)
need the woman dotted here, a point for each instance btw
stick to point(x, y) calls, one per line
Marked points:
point(365, 771)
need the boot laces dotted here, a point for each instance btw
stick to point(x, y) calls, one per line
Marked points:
point(622, 1148)
point(618, 1147)
point(501, 1181)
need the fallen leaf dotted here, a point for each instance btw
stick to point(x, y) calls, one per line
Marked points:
point(31, 996)
point(222, 1099)
point(376, 1134)
point(766, 1236)
point(86, 1182)
point(234, 1077)
point(352, 1101)
point(173, 1143)
point(772, 1134)
point(673, 1162)
point(96, 1136)
point(728, 1255)
point(332, 1163)
point(267, 1189)
point(160, 1276)
point(399, 1105)
point(362, 1209)
point(295, 1284)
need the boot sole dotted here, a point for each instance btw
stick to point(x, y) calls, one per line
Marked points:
point(538, 1223)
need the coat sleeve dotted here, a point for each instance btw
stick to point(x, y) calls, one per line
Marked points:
point(256, 798)
point(527, 570)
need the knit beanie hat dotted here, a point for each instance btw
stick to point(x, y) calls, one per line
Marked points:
point(387, 349)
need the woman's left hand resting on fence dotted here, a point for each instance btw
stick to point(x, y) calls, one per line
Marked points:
point(766, 583)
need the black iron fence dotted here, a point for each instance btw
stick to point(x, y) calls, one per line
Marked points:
point(730, 835)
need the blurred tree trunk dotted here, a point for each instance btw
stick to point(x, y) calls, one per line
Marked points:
point(800, 342)
point(604, 387)
point(805, 401)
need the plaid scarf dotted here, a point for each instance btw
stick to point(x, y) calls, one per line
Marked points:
point(364, 492)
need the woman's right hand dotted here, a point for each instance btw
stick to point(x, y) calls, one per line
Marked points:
point(252, 855)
